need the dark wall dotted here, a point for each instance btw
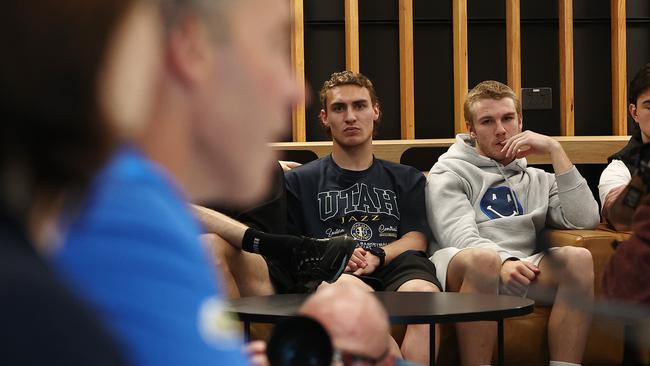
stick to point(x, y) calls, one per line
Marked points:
point(433, 60)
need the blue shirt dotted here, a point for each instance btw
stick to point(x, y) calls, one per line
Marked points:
point(134, 253)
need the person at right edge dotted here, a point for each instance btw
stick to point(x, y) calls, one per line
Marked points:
point(621, 165)
point(627, 275)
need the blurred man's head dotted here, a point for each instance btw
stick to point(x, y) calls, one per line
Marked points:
point(64, 102)
point(493, 115)
point(350, 109)
point(639, 96)
point(356, 322)
point(228, 89)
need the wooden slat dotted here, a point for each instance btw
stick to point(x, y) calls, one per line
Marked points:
point(566, 67)
point(407, 91)
point(619, 64)
point(460, 63)
point(298, 120)
point(352, 35)
point(513, 48)
point(580, 149)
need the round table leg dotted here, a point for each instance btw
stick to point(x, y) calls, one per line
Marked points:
point(500, 340)
point(247, 331)
point(432, 344)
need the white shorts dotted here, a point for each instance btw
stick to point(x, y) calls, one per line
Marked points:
point(442, 257)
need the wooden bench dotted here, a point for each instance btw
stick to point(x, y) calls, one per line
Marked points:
point(580, 149)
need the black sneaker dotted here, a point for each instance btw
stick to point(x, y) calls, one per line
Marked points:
point(318, 260)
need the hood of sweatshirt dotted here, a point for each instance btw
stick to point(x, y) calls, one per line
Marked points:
point(464, 150)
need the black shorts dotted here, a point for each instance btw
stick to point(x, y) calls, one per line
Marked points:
point(410, 265)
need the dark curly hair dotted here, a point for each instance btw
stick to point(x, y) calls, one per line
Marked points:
point(639, 84)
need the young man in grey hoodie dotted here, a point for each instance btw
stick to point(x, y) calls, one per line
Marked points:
point(486, 206)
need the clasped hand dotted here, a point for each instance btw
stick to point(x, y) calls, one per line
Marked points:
point(517, 276)
point(362, 262)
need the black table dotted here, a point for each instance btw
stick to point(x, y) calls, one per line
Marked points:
point(402, 308)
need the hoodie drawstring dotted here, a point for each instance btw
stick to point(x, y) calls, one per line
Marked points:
point(512, 192)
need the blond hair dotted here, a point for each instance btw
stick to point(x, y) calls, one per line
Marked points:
point(489, 89)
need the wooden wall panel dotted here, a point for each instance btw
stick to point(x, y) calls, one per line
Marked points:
point(513, 45)
point(407, 89)
point(298, 119)
point(619, 64)
point(566, 67)
point(352, 35)
point(460, 63)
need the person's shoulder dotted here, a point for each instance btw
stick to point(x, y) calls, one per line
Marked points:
point(308, 170)
point(455, 164)
point(137, 196)
point(20, 267)
point(57, 329)
point(616, 166)
point(398, 167)
point(27, 282)
point(401, 173)
point(132, 183)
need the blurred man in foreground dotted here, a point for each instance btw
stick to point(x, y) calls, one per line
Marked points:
point(133, 250)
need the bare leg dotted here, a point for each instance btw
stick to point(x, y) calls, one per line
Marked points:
point(415, 346)
point(570, 270)
point(394, 348)
point(231, 230)
point(475, 270)
point(248, 270)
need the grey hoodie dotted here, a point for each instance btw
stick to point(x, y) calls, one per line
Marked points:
point(474, 201)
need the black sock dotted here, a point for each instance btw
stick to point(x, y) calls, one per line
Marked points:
point(272, 246)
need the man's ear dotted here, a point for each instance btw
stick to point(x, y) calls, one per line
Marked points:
point(470, 128)
point(188, 50)
point(375, 109)
point(634, 113)
point(323, 118)
point(521, 122)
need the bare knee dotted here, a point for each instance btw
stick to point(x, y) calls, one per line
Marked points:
point(418, 285)
point(478, 262)
point(576, 265)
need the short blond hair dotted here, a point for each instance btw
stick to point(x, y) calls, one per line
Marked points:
point(489, 89)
